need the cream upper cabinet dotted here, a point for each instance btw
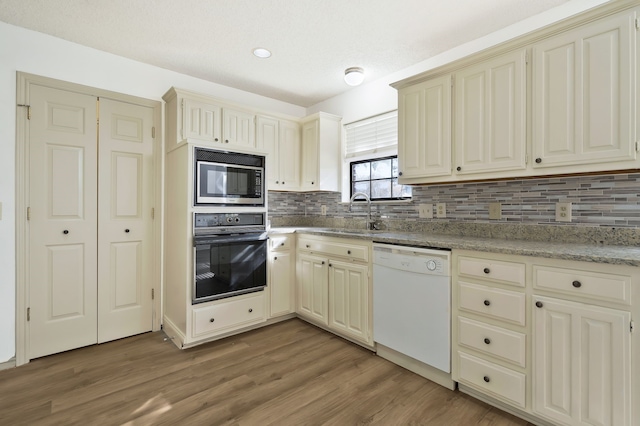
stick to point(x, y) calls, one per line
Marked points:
point(584, 97)
point(582, 363)
point(424, 129)
point(201, 120)
point(207, 122)
point(238, 128)
point(321, 153)
point(489, 116)
point(281, 140)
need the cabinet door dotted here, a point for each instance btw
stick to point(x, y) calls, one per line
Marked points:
point(238, 128)
point(490, 130)
point(267, 140)
point(310, 135)
point(200, 121)
point(312, 287)
point(424, 129)
point(281, 283)
point(583, 94)
point(349, 299)
point(582, 358)
point(289, 155)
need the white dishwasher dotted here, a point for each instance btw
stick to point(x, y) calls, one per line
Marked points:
point(412, 302)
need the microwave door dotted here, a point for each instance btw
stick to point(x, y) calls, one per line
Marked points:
point(217, 182)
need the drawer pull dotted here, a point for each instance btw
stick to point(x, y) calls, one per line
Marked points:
point(250, 310)
point(487, 340)
point(65, 232)
point(308, 246)
point(275, 258)
point(539, 304)
point(486, 270)
point(487, 302)
point(348, 251)
point(323, 262)
point(486, 379)
point(281, 244)
point(211, 320)
point(127, 230)
point(576, 284)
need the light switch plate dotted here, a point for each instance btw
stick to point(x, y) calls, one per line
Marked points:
point(425, 211)
point(323, 210)
point(563, 212)
point(495, 211)
point(441, 210)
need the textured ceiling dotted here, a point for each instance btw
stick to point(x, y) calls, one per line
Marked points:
point(313, 41)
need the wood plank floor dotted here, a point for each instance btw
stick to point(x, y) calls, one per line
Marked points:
point(290, 373)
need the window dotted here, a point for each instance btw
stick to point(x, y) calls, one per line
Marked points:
point(378, 178)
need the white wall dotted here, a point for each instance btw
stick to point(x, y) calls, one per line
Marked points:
point(376, 97)
point(35, 53)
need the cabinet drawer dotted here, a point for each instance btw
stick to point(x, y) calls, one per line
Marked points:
point(492, 302)
point(280, 242)
point(492, 378)
point(504, 344)
point(504, 272)
point(588, 284)
point(228, 315)
point(334, 248)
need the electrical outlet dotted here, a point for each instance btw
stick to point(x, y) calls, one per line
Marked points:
point(323, 210)
point(495, 211)
point(425, 211)
point(563, 212)
point(441, 210)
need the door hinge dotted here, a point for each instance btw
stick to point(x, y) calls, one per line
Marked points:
point(452, 80)
point(526, 159)
point(28, 314)
point(637, 146)
point(153, 293)
point(28, 213)
point(637, 23)
point(526, 58)
point(153, 132)
point(153, 212)
point(28, 107)
point(631, 327)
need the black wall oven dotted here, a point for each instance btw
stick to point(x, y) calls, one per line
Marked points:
point(230, 255)
point(228, 178)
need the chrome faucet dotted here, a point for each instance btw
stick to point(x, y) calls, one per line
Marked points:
point(370, 223)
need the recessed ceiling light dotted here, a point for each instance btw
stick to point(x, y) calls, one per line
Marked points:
point(354, 76)
point(261, 52)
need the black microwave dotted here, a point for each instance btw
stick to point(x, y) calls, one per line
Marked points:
point(228, 178)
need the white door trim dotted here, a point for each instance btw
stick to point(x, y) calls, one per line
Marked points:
point(24, 81)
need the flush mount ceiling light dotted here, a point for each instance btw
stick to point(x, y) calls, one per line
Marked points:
point(354, 76)
point(261, 52)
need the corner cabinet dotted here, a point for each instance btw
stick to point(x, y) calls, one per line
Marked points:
point(202, 120)
point(584, 97)
point(334, 285)
point(321, 152)
point(280, 139)
point(424, 129)
point(548, 339)
point(281, 275)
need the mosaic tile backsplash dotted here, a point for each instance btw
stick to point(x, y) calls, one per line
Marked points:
point(597, 201)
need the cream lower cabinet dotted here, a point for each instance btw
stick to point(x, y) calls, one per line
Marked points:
point(582, 371)
point(551, 340)
point(281, 275)
point(334, 285)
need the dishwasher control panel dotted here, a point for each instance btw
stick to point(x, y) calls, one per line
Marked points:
point(413, 259)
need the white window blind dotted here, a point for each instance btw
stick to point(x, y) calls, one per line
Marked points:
point(372, 134)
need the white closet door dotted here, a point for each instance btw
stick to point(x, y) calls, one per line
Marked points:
point(125, 233)
point(62, 227)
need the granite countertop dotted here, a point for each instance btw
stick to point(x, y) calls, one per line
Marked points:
point(619, 255)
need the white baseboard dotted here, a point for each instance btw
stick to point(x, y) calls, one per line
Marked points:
point(8, 364)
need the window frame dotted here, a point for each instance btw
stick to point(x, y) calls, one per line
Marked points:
point(391, 178)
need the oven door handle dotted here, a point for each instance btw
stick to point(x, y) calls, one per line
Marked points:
point(202, 240)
